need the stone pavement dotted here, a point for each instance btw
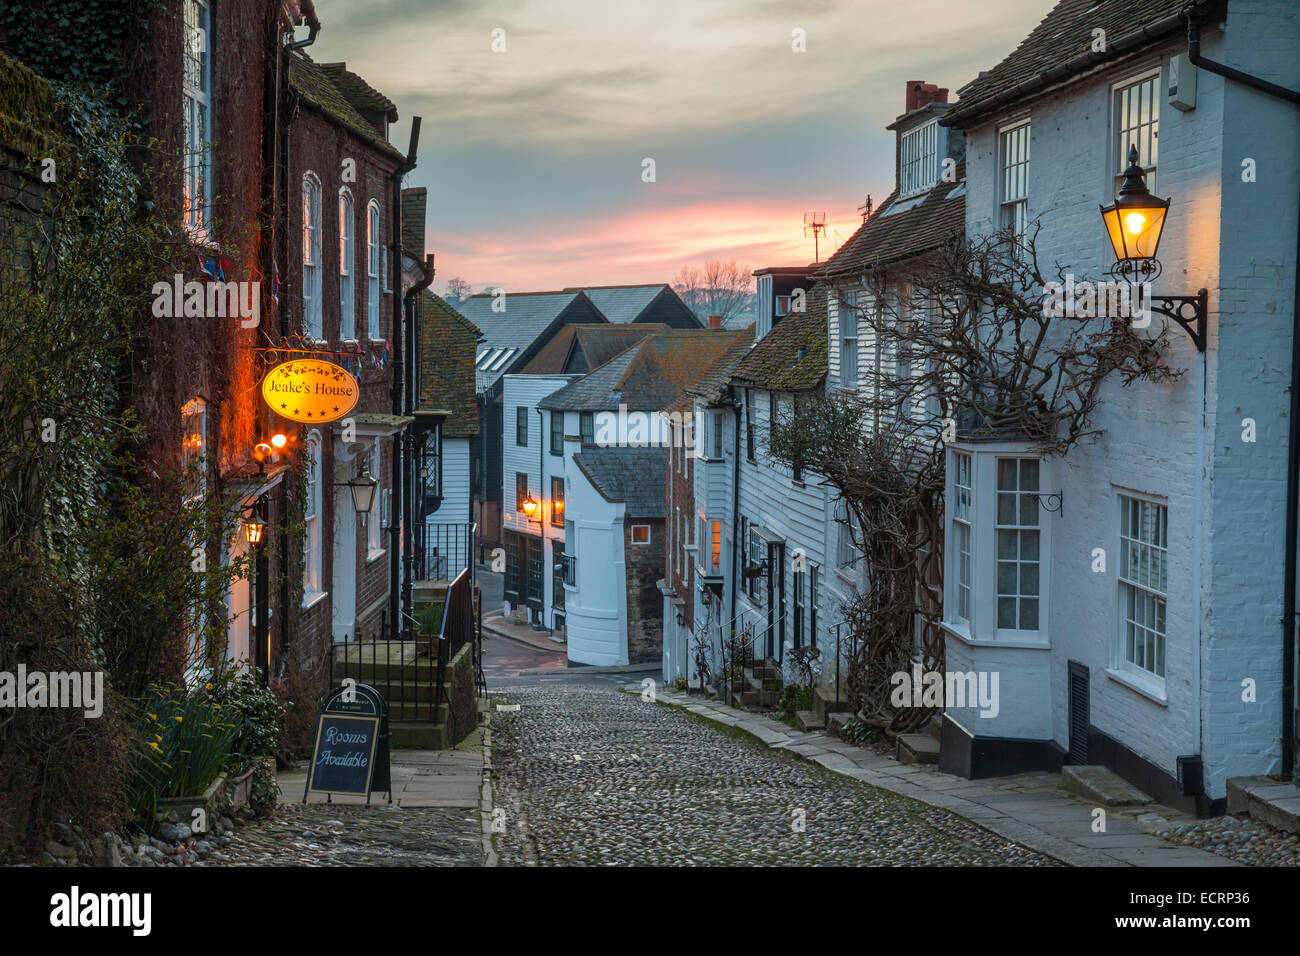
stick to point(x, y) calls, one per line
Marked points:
point(1029, 809)
point(584, 775)
point(495, 625)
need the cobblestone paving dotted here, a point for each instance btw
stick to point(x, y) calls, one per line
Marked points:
point(596, 777)
point(1239, 838)
point(332, 835)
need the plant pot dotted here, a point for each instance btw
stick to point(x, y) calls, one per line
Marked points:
point(181, 809)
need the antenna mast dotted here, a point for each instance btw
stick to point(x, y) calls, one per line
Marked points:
point(814, 224)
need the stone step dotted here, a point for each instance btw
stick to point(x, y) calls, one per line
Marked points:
point(1102, 786)
point(825, 704)
point(1274, 801)
point(759, 682)
point(417, 735)
point(807, 720)
point(836, 721)
point(917, 748)
point(418, 712)
point(934, 727)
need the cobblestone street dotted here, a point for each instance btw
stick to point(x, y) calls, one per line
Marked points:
point(593, 777)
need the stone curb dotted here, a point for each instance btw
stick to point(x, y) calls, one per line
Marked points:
point(485, 793)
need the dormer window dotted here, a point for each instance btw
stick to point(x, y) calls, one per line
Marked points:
point(782, 305)
point(918, 159)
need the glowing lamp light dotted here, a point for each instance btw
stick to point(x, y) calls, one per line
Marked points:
point(254, 527)
point(1135, 220)
point(530, 506)
point(261, 452)
point(279, 440)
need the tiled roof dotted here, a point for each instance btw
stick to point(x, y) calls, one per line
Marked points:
point(587, 347)
point(359, 93)
point(902, 229)
point(1061, 47)
point(621, 303)
point(712, 384)
point(414, 202)
point(774, 363)
point(507, 334)
point(635, 476)
point(650, 376)
point(315, 85)
point(448, 342)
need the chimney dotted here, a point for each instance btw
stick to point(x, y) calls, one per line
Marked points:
point(715, 321)
point(921, 93)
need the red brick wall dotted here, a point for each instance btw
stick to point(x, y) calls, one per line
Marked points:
point(681, 496)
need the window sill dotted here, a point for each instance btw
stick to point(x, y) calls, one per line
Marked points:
point(1147, 688)
point(376, 341)
point(375, 555)
point(311, 598)
point(1020, 643)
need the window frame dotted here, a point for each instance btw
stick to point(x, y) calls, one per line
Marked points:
point(849, 333)
point(313, 315)
point(521, 484)
point(347, 265)
point(640, 526)
point(1117, 149)
point(557, 501)
point(375, 520)
point(374, 269)
point(557, 436)
point(199, 165)
point(1013, 199)
point(313, 519)
point(521, 426)
point(1121, 664)
point(918, 159)
point(587, 427)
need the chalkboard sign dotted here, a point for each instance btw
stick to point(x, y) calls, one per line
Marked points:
point(351, 751)
point(343, 760)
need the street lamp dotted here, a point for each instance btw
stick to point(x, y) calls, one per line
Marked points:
point(363, 490)
point(530, 506)
point(254, 528)
point(1134, 223)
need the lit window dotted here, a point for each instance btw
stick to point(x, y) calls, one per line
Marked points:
point(1143, 583)
point(194, 444)
point(1017, 542)
point(1136, 122)
point(372, 269)
point(640, 534)
point(1013, 147)
point(347, 251)
point(311, 253)
point(715, 546)
point(557, 502)
point(919, 159)
point(196, 114)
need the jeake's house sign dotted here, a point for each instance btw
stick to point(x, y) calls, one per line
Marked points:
point(310, 390)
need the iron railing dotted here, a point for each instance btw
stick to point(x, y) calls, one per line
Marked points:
point(403, 669)
point(839, 654)
point(444, 549)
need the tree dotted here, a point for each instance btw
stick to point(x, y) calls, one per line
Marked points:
point(720, 288)
point(458, 289)
point(964, 347)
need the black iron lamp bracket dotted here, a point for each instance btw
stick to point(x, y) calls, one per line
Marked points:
point(1189, 311)
point(1053, 503)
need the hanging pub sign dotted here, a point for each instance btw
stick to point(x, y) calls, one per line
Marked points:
point(310, 390)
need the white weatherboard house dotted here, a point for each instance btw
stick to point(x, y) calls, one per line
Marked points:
point(1137, 625)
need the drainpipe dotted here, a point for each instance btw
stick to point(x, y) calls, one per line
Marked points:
point(281, 247)
point(408, 500)
point(397, 510)
point(1293, 422)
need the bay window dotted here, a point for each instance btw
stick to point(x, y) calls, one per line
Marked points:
point(997, 545)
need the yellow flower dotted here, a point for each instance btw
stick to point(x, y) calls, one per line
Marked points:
point(179, 719)
point(154, 745)
point(153, 716)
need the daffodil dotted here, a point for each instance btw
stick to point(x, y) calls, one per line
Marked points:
point(154, 745)
point(179, 719)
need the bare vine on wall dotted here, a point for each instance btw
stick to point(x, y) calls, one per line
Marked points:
point(954, 344)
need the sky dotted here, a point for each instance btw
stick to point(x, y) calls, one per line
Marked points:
point(534, 155)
